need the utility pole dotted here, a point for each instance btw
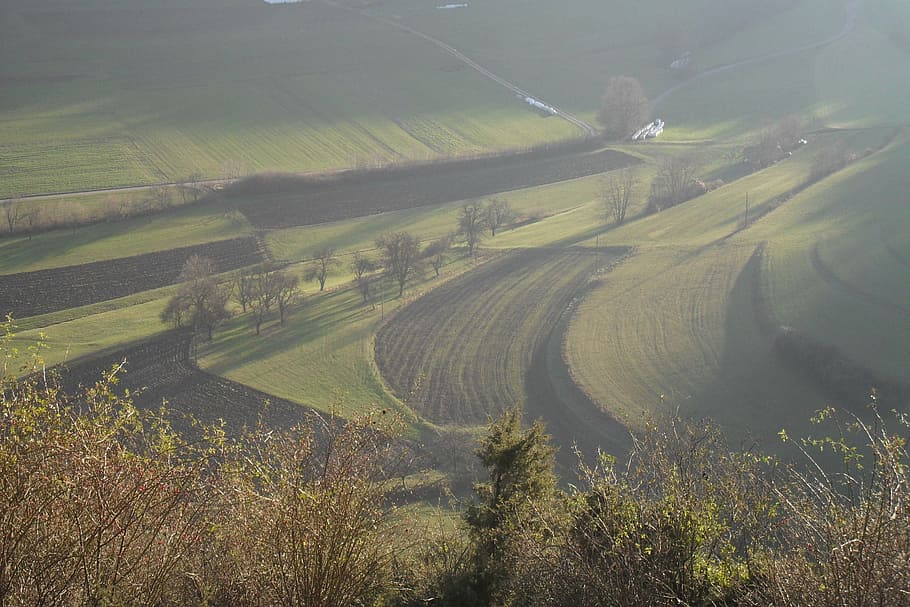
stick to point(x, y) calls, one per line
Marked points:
point(597, 253)
point(746, 220)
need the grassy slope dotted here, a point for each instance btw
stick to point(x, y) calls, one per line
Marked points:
point(180, 228)
point(106, 95)
point(644, 333)
point(328, 344)
point(859, 221)
point(322, 357)
point(693, 336)
point(224, 88)
point(431, 222)
point(597, 40)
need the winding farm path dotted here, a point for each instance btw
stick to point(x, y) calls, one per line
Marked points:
point(586, 128)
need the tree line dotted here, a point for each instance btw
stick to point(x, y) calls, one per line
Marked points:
point(202, 299)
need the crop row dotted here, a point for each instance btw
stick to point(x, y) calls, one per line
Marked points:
point(288, 201)
point(160, 371)
point(90, 163)
point(43, 291)
point(467, 350)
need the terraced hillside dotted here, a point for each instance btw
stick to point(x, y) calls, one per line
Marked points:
point(43, 291)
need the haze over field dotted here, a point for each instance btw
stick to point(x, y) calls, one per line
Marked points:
point(606, 212)
point(190, 94)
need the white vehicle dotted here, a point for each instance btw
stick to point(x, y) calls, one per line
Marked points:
point(649, 131)
point(540, 106)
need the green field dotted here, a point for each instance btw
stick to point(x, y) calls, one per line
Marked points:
point(147, 94)
point(678, 323)
point(102, 241)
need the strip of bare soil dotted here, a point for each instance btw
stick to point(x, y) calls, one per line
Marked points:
point(160, 371)
point(286, 200)
point(44, 291)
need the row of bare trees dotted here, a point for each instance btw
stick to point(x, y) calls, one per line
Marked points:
point(475, 218)
point(201, 300)
point(264, 288)
point(28, 217)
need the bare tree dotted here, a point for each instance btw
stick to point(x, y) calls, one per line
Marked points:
point(400, 256)
point(498, 214)
point(32, 218)
point(264, 293)
point(287, 292)
point(624, 107)
point(324, 260)
point(471, 224)
point(829, 159)
point(362, 267)
point(189, 187)
point(12, 213)
point(245, 289)
point(199, 299)
point(437, 251)
point(163, 197)
point(617, 195)
point(72, 216)
point(266, 287)
point(674, 183)
point(775, 142)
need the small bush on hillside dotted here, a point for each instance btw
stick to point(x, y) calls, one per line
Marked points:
point(830, 159)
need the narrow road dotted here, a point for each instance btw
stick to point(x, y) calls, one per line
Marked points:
point(117, 190)
point(851, 10)
point(588, 130)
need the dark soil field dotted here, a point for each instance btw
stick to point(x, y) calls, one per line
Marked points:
point(44, 291)
point(160, 371)
point(285, 201)
point(492, 338)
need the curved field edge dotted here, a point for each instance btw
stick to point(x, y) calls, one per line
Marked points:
point(159, 371)
point(481, 343)
point(675, 328)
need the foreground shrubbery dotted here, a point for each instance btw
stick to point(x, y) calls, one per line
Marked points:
point(103, 504)
point(687, 521)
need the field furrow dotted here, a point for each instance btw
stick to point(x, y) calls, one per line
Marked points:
point(464, 352)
